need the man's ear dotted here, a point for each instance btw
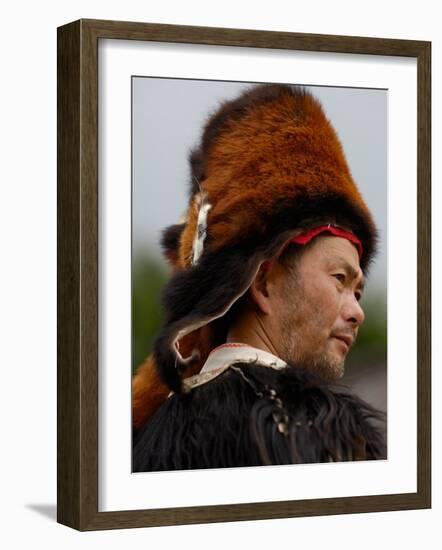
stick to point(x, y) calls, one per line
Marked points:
point(259, 290)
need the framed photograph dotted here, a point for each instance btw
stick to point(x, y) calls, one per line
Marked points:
point(137, 222)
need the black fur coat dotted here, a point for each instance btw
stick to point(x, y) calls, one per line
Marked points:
point(252, 415)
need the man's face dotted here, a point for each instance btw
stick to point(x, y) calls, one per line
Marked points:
point(317, 310)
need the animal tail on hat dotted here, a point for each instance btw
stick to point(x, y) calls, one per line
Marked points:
point(149, 390)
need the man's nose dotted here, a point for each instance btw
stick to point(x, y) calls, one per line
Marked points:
point(353, 311)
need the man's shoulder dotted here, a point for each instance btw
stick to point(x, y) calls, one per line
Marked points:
point(206, 426)
point(251, 414)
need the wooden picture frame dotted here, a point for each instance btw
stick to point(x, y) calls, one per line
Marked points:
point(77, 224)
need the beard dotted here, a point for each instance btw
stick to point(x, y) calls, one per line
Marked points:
point(302, 343)
point(328, 367)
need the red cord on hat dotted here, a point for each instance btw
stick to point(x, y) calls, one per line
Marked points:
point(306, 237)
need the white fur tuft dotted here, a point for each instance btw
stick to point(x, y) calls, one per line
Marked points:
point(201, 227)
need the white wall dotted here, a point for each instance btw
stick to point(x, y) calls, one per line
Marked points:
point(28, 274)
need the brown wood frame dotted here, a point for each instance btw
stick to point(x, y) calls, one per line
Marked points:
point(77, 224)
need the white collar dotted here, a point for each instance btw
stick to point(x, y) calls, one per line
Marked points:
point(233, 352)
point(222, 357)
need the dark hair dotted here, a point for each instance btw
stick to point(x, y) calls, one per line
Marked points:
point(290, 256)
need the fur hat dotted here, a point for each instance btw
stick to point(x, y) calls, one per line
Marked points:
point(269, 165)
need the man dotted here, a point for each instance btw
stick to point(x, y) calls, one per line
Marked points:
point(307, 314)
point(263, 306)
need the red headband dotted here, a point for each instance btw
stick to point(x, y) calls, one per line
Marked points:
point(306, 237)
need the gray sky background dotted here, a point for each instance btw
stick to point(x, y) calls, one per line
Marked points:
point(168, 115)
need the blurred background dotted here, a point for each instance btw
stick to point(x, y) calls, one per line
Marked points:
point(167, 118)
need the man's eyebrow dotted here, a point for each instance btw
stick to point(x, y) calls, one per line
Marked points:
point(350, 270)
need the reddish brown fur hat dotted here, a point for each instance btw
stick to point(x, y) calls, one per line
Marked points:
point(269, 164)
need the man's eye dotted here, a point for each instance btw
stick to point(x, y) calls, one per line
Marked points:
point(340, 277)
point(358, 296)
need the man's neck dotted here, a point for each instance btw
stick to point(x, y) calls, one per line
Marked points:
point(252, 331)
